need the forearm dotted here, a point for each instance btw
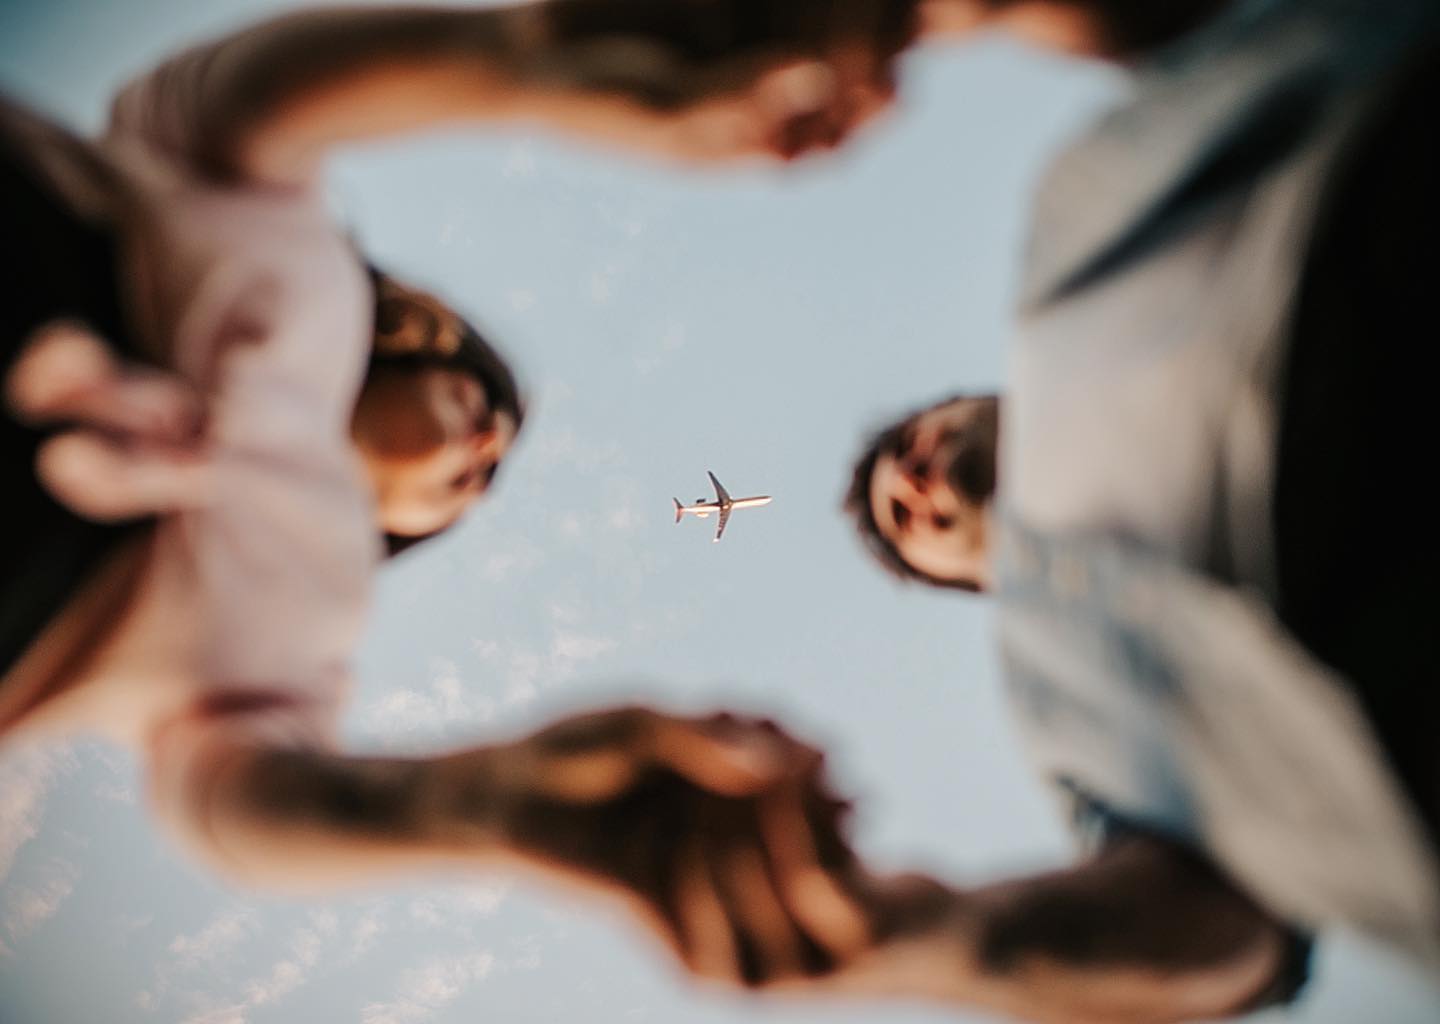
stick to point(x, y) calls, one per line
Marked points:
point(267, 103)
point(306, 819)
point(1145, 933)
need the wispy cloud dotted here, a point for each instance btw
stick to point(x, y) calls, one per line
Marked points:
point(571, 648)
point(520, 557)
point(220, 937)
point(365, 934)
point(457, 907)
point(427, 989)
point(672, 339)
point(304, 948)
point(285, 977)
point(26, 778)
point(223, 1015)
point(566, 448)
point(443, 706)
point(27, 907)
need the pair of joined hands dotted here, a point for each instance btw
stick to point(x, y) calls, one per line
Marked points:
point(720, 833)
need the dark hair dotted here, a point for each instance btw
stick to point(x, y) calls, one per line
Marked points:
point(448, 341)
point(974, 477)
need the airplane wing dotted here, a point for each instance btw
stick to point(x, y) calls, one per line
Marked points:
point(720, 526)
point(721, 495)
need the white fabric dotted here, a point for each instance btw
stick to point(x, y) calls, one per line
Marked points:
point(248, 610)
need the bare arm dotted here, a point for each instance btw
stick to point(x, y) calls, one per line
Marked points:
point(1145, 933)
point(668, 815)
point(268, 103)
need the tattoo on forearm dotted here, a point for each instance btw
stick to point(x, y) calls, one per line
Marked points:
point(1145, 905)
point(378, 798)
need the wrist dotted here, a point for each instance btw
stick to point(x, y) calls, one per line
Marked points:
point(926, 944)
point(468, 802)
point(945, 951)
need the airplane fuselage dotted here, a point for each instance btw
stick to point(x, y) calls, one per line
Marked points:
point(722, 506)
point(705, 509)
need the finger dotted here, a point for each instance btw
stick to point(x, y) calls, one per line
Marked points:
point(795, 89)
point(142, 404)
point(101, 479)
point(588, 776)
point(596, 757)
point(585, 759)
point(809, 879)
point(69, 374)
point(724, 758)
point(62, 360)
point(905, 906)
point(706, 937)
point(778, 948)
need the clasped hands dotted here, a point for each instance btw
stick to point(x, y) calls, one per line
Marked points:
point(720, 833)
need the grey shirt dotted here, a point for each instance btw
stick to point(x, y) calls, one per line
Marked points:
point(1137, 576)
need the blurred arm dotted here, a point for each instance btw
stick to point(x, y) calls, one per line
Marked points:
point(667, 815)
point(267, 103)
point(1146, 932)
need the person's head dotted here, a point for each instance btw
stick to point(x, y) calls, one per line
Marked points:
point(437, 414)
point(922, 490)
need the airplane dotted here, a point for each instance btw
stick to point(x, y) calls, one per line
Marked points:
point(722, 506)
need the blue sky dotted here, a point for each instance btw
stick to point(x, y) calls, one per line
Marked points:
point(756, 324)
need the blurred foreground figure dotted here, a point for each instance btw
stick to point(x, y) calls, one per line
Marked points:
point(1214, 567)
point(322, 407)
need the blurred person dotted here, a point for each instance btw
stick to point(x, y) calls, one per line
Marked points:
point(1208, 541)
point(289, 406)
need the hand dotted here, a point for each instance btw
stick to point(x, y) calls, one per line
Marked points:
point(131, 441)
point(719, 79)
point(717, 831)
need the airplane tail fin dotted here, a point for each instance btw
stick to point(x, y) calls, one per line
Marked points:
point(679, 509)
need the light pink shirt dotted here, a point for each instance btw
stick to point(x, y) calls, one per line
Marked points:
point(250, 608)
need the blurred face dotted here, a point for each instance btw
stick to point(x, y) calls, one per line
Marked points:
point(920, 504)
point(429, 443)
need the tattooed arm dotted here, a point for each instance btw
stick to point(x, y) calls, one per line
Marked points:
point(676, 818)
point(1146, 932)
